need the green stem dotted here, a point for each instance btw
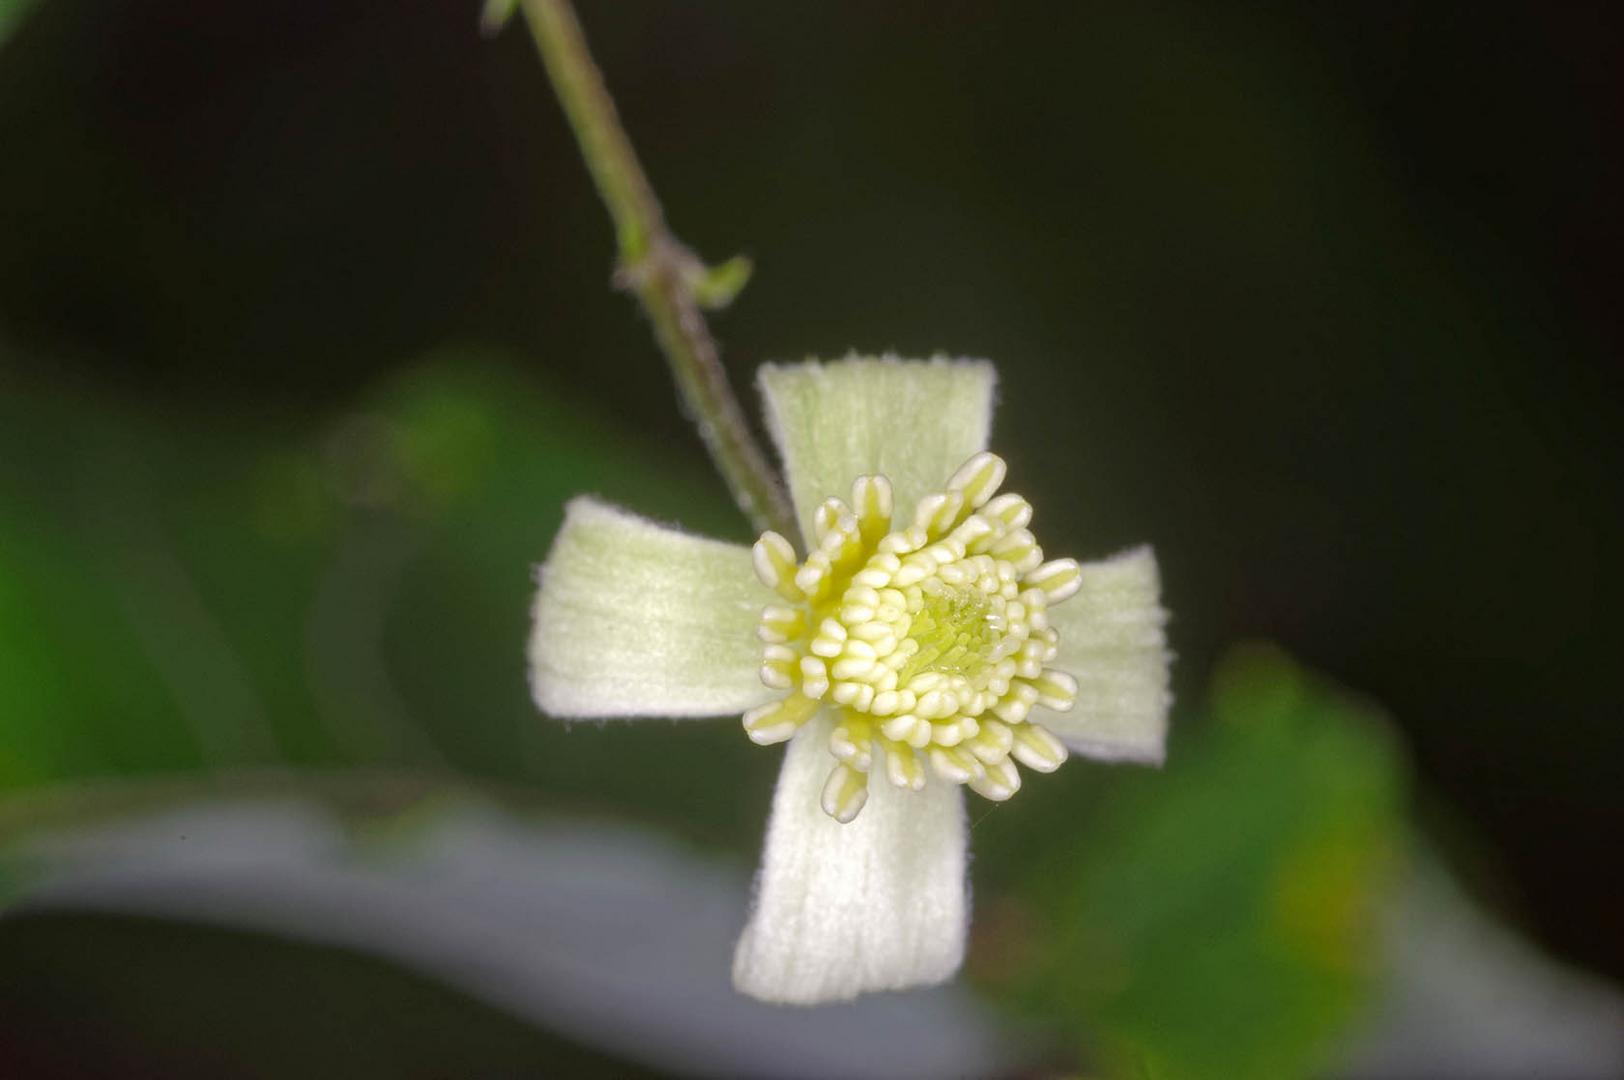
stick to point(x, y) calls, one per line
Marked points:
point(667, 279)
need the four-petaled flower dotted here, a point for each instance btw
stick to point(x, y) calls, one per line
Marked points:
point(924, 644)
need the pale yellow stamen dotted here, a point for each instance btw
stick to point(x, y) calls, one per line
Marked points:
point(932, 640)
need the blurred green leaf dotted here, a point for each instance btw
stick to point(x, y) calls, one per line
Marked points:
point(11, 15)
point(180, 593)
point(1221, 917)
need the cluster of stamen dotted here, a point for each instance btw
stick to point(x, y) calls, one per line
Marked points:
point(931, 640)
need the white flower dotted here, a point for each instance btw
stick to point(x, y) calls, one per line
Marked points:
point(906, 656)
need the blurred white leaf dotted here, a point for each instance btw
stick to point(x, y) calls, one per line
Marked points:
point(1468, 999)
point(609, 935)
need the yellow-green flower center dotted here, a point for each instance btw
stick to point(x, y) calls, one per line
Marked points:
point(930, 640)
point(956, 630)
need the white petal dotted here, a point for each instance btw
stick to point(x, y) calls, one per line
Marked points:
point(841, 910)
point(1113, 644)
point(637, 619)
point(913, 421)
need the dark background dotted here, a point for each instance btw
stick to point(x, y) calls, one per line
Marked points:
point(1319, 299)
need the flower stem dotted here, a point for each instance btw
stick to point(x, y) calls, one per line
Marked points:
point(669, 281)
